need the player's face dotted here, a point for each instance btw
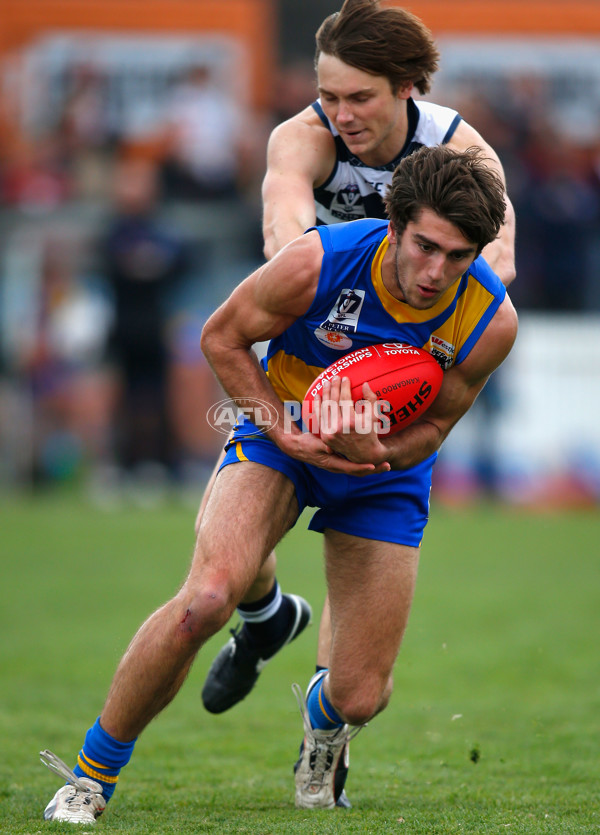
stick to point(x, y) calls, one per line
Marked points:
point(428, 258)
point(370, 119)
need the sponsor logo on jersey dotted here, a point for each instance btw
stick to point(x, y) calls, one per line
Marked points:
point(442, 351)
point(333, 339)
point(343, 316)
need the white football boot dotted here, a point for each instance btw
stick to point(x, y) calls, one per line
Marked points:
point(80, 801)
point(321, 771)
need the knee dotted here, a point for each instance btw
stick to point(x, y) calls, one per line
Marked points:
point(205, 609)
point(358, 704)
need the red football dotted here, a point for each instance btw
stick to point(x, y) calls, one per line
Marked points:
point(406, 378)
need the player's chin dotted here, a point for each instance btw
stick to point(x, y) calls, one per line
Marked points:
point(356, 141)
point(421, 304)
point(423, 299)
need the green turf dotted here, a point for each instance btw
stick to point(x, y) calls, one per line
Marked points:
point(494, 725)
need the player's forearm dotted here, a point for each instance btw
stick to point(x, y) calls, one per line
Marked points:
point(280, 230)
point(500, 254)
point(242, 378)
point(413, 445)
point(277, 236)
point(288, 211)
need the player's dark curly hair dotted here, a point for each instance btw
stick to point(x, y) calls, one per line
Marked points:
point(382, 41)
point(457, 185)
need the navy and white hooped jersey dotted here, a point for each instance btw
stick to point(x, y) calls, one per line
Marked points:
point(354, 190)
point(353, 309)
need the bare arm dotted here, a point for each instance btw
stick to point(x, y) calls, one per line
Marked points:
point(461, 385)
point(260, 308)
point(300, 155)
point(500, 254)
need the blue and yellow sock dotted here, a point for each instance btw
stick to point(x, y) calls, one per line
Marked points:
point(321, 713)
point(102, 758)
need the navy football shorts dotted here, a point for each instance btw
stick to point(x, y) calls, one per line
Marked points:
point(391, 507)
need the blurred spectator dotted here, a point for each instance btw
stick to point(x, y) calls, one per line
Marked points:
point(204, 139)
point(84, 121)
point(294, 88)
point(36, 177)
point(143, 261)
point(561, 212)
point(88, 138)
point(54, 330)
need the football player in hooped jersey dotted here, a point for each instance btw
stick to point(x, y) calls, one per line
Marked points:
point(334, 162)
point(422, 281)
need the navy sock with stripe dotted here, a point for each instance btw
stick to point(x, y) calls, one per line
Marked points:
point(267, 619)
point(102, 758)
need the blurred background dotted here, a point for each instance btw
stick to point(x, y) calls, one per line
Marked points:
point(132, 148)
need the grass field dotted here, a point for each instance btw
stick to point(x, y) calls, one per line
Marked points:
point(494, 725)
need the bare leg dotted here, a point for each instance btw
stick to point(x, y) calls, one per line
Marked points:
point(371, 586)
point(266, 575)
point(228, 555)
point(324, 645)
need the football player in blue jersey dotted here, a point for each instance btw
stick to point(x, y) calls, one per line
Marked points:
point(419, 273)
point(334, 162)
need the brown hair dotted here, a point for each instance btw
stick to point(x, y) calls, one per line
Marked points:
point(382, 41)
point(457, 185)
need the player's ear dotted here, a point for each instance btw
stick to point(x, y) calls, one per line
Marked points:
point(391, 234)
point(404, 91)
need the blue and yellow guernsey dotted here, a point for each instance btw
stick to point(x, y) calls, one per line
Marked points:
point(352, 309)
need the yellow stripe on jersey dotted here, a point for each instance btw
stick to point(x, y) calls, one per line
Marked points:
point(96, 775)
point(297, 374)
point(401, 311)
point(470, 307)
point(239, 453)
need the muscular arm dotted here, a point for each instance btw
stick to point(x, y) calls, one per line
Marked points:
point(260, 308)
point(300, 155)
point(500, 254)
point(461, 385)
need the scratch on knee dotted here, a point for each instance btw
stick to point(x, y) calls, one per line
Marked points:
point(184, 623)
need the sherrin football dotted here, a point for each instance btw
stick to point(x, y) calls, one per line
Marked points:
point(406, 378)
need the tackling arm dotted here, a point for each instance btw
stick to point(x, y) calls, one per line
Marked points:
point(300, 155)
point(500, 254)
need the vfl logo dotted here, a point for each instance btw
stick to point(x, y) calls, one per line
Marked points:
point(348, 305)
point(343, 316)
point(224, 415)
point(348, 203)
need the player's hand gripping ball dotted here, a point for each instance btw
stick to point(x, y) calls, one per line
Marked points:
point(405, 379)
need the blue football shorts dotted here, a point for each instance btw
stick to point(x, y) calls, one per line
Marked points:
point(390, 507)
